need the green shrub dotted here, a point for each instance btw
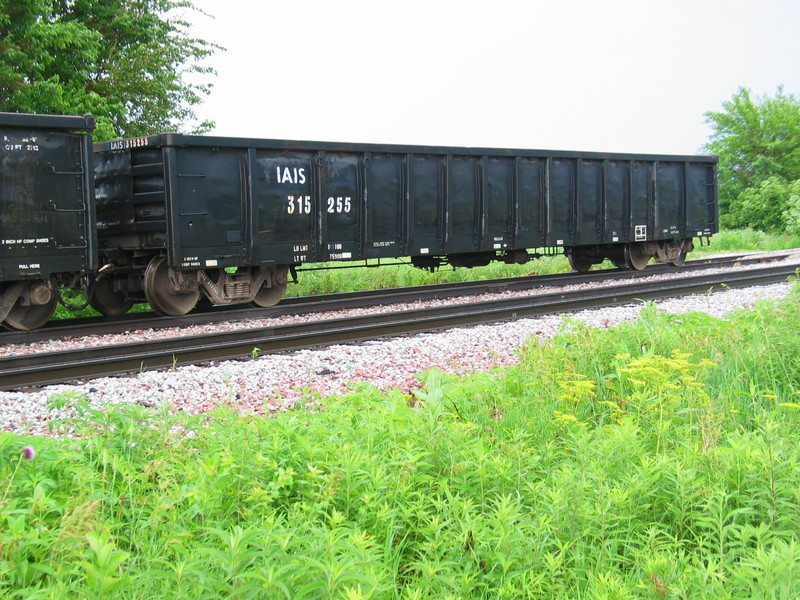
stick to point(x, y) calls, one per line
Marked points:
point(773, 206)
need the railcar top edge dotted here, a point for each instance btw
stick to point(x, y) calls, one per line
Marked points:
point(186, 140)
point(67, 122)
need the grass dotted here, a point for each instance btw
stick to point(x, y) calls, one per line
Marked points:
point(314, 282)
point(317, 282)
point(747, 240)
point(656, 460)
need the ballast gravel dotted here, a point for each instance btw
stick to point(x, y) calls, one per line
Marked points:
point(273, 383)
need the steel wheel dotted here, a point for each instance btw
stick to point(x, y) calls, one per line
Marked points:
point(158, 291)
point(635, 256)
point(580, 262)
point(270, 295)
point(105, 300)
point(34, 316)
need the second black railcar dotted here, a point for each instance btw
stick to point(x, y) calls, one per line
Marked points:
point(184, 218)
point(47, 229)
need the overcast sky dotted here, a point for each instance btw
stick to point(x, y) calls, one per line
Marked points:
point(613, 75)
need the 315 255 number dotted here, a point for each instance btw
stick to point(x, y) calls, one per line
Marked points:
point(301, 205)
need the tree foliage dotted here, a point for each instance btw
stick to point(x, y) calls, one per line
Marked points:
point(130, 63)
point(758, 143)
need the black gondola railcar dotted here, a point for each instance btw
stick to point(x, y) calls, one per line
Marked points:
point(47, 228)
point(182, 218)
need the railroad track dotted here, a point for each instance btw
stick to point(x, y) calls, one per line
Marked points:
point(332, 302)
point(47, 368)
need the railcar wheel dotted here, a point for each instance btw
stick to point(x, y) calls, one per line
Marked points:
point(105, 300)
point(158, 291)
point(636, 257)
point(269, 296)
point(33, 316)
point(580, 262)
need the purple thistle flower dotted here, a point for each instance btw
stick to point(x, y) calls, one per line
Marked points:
point(28, 453)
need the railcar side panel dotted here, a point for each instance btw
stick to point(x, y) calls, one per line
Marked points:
point(617, 201)
point(701, 199)
point(531, 213)
point(206, 207)
point(641, 223)
point(425, 205)
point(464, 201)
point(561, 199)
point(284, 192)
point(669, 204)
point(384, 201)
point(498, 210)
point(113, 180)
point(589, 228)
point(340, 207)
point(130, 190)
point(148, 196)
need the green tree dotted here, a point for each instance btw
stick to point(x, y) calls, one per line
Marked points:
point(758, 143)
point(130, 63)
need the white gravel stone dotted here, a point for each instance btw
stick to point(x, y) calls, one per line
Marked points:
point(277, 382)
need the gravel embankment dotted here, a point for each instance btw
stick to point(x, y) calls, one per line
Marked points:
point(276, 382)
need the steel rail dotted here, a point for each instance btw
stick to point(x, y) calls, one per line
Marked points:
point(58, 367)
point(341, 301)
